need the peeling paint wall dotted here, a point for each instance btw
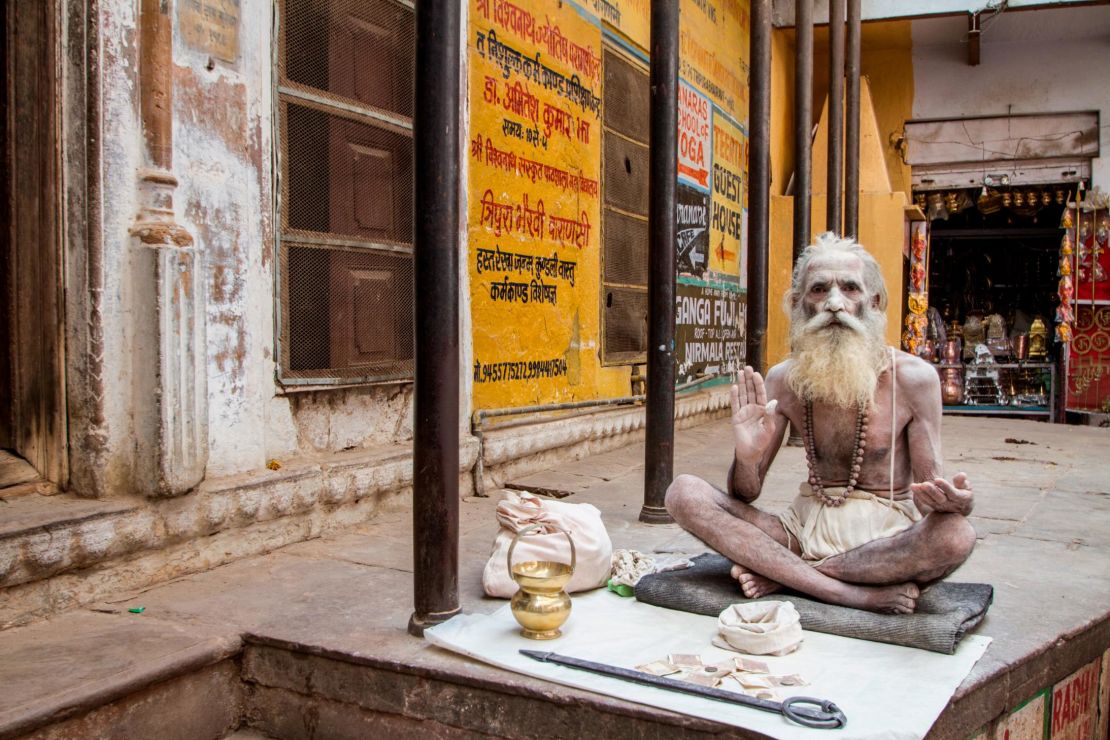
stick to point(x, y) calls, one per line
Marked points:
point(121, 156)
point(223, 160)
point(222, 150)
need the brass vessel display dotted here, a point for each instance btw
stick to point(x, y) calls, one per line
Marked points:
point(541, 606)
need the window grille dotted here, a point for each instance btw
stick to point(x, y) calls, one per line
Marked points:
point(624, 213)
point(345, 99)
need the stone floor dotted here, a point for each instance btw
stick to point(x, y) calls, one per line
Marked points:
point(1042, 514)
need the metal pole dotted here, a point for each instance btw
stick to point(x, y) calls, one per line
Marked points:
point(851, 124)
point(759, 179)
point(803, 121)
point(836, 117)
point(803, 145)
point(435, 461)
point(659, 444)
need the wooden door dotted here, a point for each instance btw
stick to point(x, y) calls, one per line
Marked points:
point(32, 403)
point(370, 182)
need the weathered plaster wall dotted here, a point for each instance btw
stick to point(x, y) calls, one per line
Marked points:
point(223, 161)
point(121, 155)
point(222, 149)
point(224, 158)
point(1037, 61)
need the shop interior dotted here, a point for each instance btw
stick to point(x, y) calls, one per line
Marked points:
point(991, 266)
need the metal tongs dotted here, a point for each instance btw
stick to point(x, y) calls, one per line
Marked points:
point(803, 710)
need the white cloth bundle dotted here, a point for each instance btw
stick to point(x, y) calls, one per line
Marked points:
point(760, 628)
point(518, 510)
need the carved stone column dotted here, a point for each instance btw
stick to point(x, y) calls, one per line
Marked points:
point(171, 389)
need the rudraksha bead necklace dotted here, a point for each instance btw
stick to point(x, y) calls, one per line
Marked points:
point(815, 481)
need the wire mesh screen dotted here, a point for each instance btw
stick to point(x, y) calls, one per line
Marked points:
point(625, 112)
point(345, 99)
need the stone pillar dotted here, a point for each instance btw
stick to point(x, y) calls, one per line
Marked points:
point(170, 376)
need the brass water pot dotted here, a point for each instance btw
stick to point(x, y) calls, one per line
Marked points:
point(541, 605)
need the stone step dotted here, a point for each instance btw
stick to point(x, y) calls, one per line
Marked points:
point(117, 675)
point(41, 534)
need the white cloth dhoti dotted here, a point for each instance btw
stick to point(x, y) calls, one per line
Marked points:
point(823, 531)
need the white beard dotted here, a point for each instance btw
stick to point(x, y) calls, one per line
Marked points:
point(839, 365)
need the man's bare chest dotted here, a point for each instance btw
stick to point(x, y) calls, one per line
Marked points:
point(836, 437)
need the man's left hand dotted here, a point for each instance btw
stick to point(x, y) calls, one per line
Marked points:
point(944, 496)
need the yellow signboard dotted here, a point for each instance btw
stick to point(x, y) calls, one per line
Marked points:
point(726, 223)
point(713, 51)
point(533, 210)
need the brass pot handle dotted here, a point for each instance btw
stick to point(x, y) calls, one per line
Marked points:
point(529, 528)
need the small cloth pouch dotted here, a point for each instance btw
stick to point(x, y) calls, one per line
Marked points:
point(759, 628)
point(518, 510)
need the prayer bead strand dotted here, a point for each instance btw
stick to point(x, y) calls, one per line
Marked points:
point(855, 467)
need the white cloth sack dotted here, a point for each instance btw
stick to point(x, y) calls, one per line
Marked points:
point(760, 628)
point(520, 509)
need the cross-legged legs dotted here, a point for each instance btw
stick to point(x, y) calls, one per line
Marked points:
point(756, 541)
point(928, 551)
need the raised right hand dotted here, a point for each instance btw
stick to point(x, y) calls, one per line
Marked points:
point(753, 419)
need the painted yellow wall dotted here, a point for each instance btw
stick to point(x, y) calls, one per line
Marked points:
point(534, 204)
point(886, 60)
point(881, 221)
point(782, 109)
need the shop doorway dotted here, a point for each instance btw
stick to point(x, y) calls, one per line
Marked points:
point(993, 282)
point(32, 406)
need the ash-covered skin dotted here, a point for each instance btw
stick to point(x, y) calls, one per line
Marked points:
point(838, 358)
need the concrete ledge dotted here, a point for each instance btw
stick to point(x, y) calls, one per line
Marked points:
point(977, 704)
point(383, 694)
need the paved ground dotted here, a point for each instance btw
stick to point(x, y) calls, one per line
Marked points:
point(1042, 514)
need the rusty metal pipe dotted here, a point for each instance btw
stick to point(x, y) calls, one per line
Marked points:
point(836, 117)
point(662, 187)
point(759, 182)
point(852, 123)
point(803, 122)
point(435, 514)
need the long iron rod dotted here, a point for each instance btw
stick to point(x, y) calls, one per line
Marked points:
point(759, 181)
point(803, 122)
point(836, 117)
point(436, 276)
point(662, 185)
point(852, 123)
point(828, 716)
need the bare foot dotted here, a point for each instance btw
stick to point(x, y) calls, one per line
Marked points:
point(898, 599)
point(752, 584)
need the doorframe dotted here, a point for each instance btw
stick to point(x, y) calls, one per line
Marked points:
point(37, 310)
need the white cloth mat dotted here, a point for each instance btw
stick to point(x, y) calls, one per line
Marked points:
point(886, 691)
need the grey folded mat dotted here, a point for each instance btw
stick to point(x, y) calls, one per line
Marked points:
point(945, 611)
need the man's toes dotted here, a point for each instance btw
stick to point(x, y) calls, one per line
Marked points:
point(737, 571)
